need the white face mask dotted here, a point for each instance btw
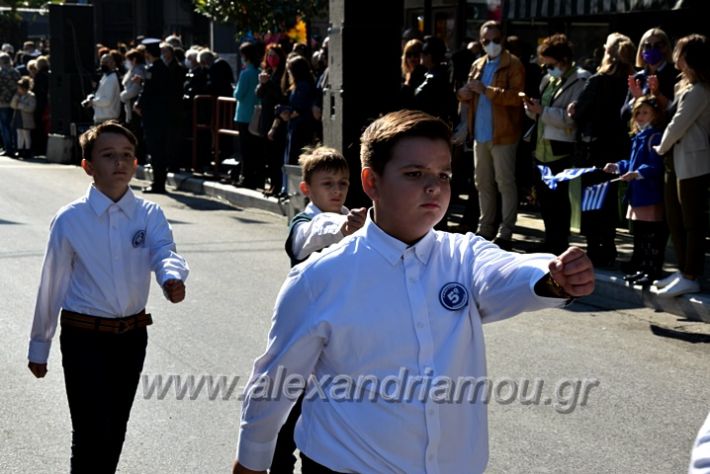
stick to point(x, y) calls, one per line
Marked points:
point(127, 64)
point(188, 63)
point(555, 72)
point(493, 50)
point(643, 127)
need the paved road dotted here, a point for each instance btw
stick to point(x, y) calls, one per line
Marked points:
point(646, 394)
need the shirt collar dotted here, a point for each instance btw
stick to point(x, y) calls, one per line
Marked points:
point(100, 202)
point(391, 248)
point(494, 61)
point(311, 210)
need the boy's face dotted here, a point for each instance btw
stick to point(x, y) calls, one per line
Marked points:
point(413, 192)
point(112, 164)
point(327, 189)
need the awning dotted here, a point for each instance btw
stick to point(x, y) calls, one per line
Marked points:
point(526, 9)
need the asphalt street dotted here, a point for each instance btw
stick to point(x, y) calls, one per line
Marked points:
point(644, 394)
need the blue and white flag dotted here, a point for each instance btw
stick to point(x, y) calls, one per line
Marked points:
point(565, 175)
point(593, 197)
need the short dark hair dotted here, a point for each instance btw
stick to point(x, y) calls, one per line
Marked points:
point(25, 82)
point(89, 137)
point(557, 47)
point(250, 53)
point(321, 158)
point(491, 24)
point(434, 46)
point(383, 134)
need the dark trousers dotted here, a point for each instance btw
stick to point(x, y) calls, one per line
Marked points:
point(555, 208)
point(599, 227)
point(101, 373)
point(156, 143)
point(284, 458)
point(686, 205)
point(251, 149)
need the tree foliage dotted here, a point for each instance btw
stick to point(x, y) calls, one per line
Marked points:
point(260, 15)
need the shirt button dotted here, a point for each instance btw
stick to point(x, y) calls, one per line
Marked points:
point(431, 411)
point(420, 325)
point(431, 457)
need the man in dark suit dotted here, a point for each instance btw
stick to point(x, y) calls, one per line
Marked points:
point(152, 105)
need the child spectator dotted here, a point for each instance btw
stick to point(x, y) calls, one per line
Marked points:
point(326, 179)
point(24, 103)
point(102, 248)
point(644, 173)
point(396, 295)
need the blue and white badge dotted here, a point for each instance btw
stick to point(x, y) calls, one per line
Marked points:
point(138, 239)
point(453, 296)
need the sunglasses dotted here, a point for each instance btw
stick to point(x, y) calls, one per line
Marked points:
point(656, 45)
point(486, 41)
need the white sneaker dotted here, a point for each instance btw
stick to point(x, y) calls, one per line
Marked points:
point(679, 286)
point(663, 282)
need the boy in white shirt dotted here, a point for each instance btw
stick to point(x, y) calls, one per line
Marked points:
point(101, 251)
point(394, 302)
point(325, 221)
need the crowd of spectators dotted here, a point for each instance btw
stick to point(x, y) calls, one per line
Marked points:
point(511, 110)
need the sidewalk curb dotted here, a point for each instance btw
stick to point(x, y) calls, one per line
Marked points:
point(611, 286)
point(239, 197)
point(611, 291)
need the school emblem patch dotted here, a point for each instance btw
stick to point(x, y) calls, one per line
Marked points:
point(138, 239)
point(453, 296)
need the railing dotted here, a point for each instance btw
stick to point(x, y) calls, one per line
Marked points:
point(214, 115)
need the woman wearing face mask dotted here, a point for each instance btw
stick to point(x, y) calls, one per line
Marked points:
point(657, 76)
point(269, 92)
point(556, 134)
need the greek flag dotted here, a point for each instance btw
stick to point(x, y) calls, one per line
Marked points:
point(565, 175)
point(593, 197)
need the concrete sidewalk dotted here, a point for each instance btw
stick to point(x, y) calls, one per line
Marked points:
point(611, 291)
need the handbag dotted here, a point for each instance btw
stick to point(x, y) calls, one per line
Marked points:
point(255, 121)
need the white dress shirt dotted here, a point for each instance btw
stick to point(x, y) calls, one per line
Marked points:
point(98, 262)
point(321, 231)
point(700, 457)
point(372, 306)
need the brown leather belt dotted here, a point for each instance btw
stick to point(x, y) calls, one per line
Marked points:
point(108, 325)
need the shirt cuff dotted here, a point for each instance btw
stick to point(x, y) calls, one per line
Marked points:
point(39, 352)
point(254, 455)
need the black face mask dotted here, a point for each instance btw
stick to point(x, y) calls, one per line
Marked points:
point(105, 69)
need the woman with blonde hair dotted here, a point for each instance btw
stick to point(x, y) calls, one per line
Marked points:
point(657, 76)
point(413, 72)
point(605, 138)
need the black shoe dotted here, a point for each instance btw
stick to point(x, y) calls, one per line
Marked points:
point(645, 280)
point(504, 244)
point(633, 277)
point(155, 190)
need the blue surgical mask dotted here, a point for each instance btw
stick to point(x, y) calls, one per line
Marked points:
point(555, 72)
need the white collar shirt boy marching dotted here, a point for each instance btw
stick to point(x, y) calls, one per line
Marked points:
point(323, 229)
point(415, 309)
point(98, 262)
